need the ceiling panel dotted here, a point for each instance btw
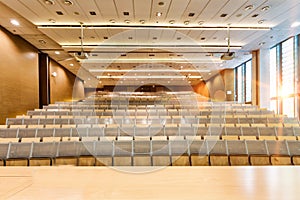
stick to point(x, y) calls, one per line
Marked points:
point(108, 9)
point(156, 8)
point(125, 6)
point(87, 7)
point(176, 10)
point(194, 6)
point(142, 9)
point(210, 10)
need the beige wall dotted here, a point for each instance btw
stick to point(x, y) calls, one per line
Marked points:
point(65, 86)
point(18, 76)
point(217, 86)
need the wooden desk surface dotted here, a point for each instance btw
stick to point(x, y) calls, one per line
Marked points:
point(167, 183)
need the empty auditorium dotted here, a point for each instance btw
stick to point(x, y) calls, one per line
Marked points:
point(149, 99)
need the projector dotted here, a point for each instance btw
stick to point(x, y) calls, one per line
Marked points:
point(81, 55)
point(227, 56)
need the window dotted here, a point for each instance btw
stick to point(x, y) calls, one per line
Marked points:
point(244, 82)
point(248, 83)
point(273, 80)
point(288, 78)
point(282, 78)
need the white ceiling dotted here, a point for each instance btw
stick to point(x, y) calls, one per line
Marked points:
point(113, 44)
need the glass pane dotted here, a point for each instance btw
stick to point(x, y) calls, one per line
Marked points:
point(289, 107)
point(240, 84)
point(249, 81)
point(273, 106)
point(273, 73)
point(288, 69)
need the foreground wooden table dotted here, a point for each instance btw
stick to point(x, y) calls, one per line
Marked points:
point(165, 183)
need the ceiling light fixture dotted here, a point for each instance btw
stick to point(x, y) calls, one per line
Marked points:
point(127, 21)
point(42, 41)
point(54, 74)
point(161, 3)
point(71, 65)
point(14, 22)
point(295, 24)
point(201, 23)
point(261, 43)
point(172, 21)
point(249, 7)
point(186, 22)
point(52, 20)
point(112, 21)
point(142, 21)
point(266, 8)
point(261, 21)
point(158, 14)
point(57, 52)
point(49, 2)
point(68, 2)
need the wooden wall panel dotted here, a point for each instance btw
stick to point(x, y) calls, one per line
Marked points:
point(18, 76)
point(65, 86)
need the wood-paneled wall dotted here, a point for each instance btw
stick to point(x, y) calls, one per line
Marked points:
point(65, 86)
point(18, 76)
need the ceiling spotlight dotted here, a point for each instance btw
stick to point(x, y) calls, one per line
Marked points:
point(14, 22)
point(127, 21)
point(49, 2)
point(71, 65)
point(172, 21)
point(161, 3)
point(266, 8)
point(42, 41)
point(295, 24)
point(249, 7)
point(54, 74)
point(158, 14)
point(261, 21)
point(186, 22)
point(142, 21)
point(201, 22)
point(112, 21)
point(52, 20)
point(57, 52)
point(261, 43)
point(68, 2)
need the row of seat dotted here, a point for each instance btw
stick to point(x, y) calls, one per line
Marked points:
point(151, 153)
point(223, 132)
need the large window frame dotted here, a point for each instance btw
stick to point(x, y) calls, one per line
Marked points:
point(243, 83)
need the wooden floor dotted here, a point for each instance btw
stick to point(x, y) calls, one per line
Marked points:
point(163, 183)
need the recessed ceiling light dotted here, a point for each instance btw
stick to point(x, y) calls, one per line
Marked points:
point(57, 52)
point(178, 38)
point(52, 20)
point(154, 38)
point(186, 22)
point(261, 21)
point(59, 13)
point(295, 24)
point(191, 14)
point(129, 38)
point(49, 2)
point(255, 15)
point(112, 21)
point(203, 38)
point(261, 43)
point(105, 38)
point(172, 21)
point(127, 21)
point(223, 15)
point(71, 64)
point(158, 14)
point(54, 74)
point(14, 22)
point(249, 7)
point(68, 2)
point(266, 8)
point(142, 21)
point(239, 15)
point(93, 13)
point(201, 22)
point(76, 13)
point(161, 3)
point(126, 13)
point(42, 41)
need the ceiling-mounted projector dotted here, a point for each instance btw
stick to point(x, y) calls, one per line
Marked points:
point(227, 56)
point(81, 55)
